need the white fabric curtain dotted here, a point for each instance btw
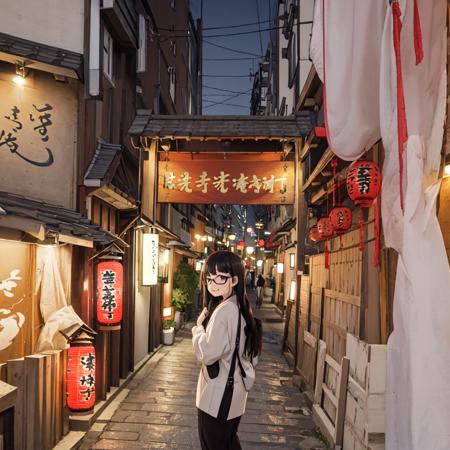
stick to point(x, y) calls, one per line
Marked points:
point(55, 311)
point(357, 62)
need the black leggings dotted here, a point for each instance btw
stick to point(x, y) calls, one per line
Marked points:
point(220, 433)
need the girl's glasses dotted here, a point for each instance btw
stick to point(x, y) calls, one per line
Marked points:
point(219, 280)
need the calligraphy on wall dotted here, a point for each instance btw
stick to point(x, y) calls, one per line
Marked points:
point(16, 312)
point(226, 182)
point(38, 138)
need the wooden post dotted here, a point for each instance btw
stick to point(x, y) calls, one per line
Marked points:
point(320, 368)
point(65, 409)
point(342, 401)
point(34, 368)
point(16, 377)
point(149, 180)
point(47, 407)
point(115, 357)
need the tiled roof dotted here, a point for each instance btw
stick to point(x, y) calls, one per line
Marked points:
point(102, 161)
point(262, 127)
point(42, 53)
point(55, 219)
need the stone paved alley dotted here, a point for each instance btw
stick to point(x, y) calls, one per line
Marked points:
point(159, 411)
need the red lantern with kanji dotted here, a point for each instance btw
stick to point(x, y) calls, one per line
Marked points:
point(314, 234)
point(325, 228)
point(81, 377)
point(363, 182)
point(363, 186)
point(341, 219)
point(109, 292)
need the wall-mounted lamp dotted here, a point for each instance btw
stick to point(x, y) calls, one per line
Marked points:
point(292, 290)
point(166, 256)
point(166, 144)
point(167, 312)
point(280, 267)
point(21, 73)
point(292, 260)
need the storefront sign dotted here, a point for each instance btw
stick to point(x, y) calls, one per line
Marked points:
point(109, 292)
point(226, 182)
point(150, 260)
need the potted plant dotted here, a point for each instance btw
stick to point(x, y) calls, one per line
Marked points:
point(179, 300)
point(168, 332)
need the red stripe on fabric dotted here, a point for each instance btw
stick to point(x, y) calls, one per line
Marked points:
point(402, 127)
point(418, 44)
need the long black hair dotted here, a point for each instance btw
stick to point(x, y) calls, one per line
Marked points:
point(229, 262)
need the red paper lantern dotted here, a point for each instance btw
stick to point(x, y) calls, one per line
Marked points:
point(261, 242)
point(363, 182)
point(325, 228)
point(242, 244)
point(341, 219)
point(314, 235)
point(109, 292)
point(81, 377)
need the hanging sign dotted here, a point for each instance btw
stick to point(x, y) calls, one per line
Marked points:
point(150, 260)
point(109, 292)
point(226, 182)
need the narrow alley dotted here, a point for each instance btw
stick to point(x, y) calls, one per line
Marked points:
point(159, 410)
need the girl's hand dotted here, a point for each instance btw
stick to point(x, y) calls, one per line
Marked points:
point(202, 317)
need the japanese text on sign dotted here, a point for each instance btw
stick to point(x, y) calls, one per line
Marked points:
point(213, 181)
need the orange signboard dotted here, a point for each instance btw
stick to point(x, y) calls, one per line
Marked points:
point(226, 182)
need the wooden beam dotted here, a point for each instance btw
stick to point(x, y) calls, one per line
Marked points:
point(342, 401)
point(324, 161)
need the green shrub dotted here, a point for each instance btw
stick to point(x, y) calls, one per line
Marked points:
point(179, 299)
point(168, 324)
point(186, 279)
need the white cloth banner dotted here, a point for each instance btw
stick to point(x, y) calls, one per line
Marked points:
point(418, 368)
point(56, 312)
point(351, 58)
point(359, 69)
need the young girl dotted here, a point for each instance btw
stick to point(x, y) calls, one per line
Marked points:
point(227, 357)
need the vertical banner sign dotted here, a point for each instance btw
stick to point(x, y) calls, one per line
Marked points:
point(109, 292)
point(81, 378)
point(226, 182)
point(150, 259)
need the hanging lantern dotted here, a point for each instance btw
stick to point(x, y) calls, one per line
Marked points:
point(80, 368)
point(325, 228)
point(109, 292)
point(341, 219)
point(363, 182)
point(261, 243)
point(314, 235)
point(363, 187)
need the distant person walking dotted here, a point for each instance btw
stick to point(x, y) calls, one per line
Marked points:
point(260, 282)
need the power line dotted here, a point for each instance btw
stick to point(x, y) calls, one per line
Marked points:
point(241, 33)
point(224, 90)
point(250, 75)
point(220, 28)
point(229, 59)
point(228, 104)
point(223, 102)
point(231, 49)
point(259, 26)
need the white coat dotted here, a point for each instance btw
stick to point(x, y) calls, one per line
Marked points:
point(217, 343)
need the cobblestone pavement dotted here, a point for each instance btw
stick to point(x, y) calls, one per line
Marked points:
point(159, 411)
